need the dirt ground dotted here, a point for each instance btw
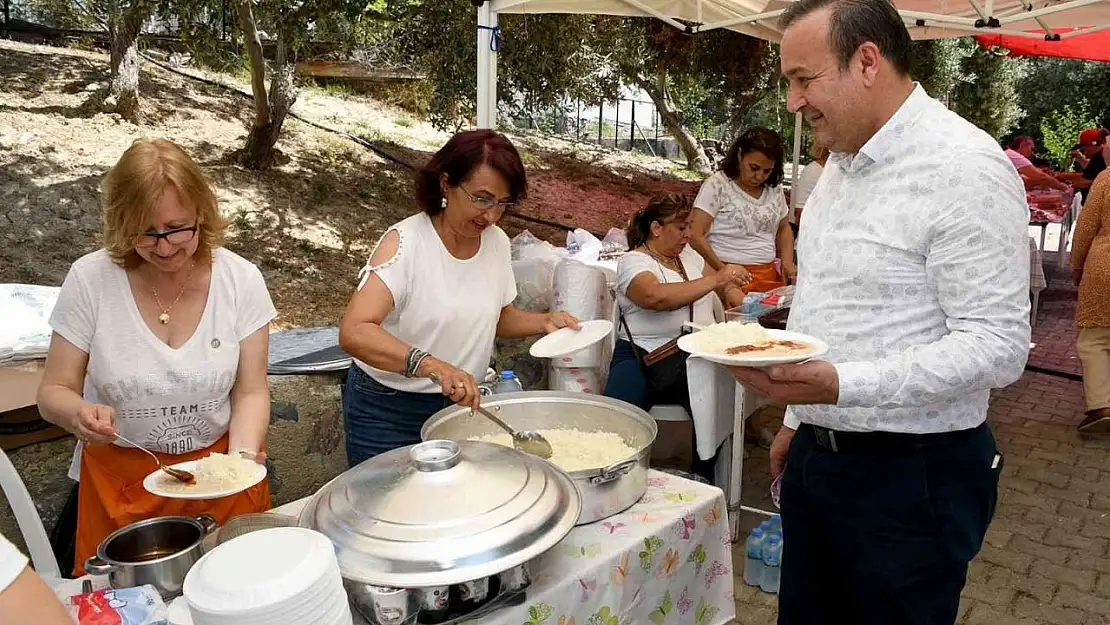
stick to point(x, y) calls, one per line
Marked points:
point(308, 223)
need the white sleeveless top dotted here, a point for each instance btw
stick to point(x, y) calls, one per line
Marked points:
point(443, 305)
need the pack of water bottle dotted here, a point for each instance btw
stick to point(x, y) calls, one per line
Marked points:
point(763, 556)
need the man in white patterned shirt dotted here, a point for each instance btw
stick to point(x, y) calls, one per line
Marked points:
point(913, 266)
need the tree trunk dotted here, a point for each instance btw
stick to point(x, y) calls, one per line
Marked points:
point(270, 109)
point(672, 121)
point(123, 90)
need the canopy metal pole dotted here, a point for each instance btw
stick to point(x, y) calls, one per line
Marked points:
point(487, 66)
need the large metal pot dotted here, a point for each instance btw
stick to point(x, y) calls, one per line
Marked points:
point(441, 528)
point(157, 551)
point(605, 490)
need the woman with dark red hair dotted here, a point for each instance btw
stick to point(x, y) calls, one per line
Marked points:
point(437, 290)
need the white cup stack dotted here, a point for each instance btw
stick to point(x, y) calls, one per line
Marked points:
point(278, 576)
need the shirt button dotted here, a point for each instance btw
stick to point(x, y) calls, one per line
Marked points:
point(215, 343)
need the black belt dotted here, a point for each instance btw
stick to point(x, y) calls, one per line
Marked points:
point(885, 442)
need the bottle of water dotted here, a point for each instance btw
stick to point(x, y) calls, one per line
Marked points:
point(753, 558)
point(767, 528)
point(772, 564)
point(508, 383)
point(776, 524)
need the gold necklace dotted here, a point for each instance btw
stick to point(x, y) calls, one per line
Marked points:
point(666, 260)
point(164, 318)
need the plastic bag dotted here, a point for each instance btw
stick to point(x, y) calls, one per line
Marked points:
point(141, 605)
point(614, 244)
point(583, 246)
point(533, 265)
point(25, 333)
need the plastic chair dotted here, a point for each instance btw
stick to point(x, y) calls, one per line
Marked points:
point(29, 521)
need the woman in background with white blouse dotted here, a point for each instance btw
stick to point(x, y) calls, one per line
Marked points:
point(661, 284)
point(437, 290)
point(161, 337)
point(740, 215)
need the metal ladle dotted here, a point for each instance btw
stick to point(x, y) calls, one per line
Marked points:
point(181, 475)
point(529, 441)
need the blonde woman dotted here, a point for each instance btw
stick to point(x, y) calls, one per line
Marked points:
point(161, 337)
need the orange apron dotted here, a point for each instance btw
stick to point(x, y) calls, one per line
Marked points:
point(764, 278)
point(111, 495)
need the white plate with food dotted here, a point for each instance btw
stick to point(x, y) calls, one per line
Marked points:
point(217, 475)
point(567, 341)
point(751, 345)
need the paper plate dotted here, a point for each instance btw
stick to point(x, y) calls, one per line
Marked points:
point(689, 344)
point(566, 341)
point(156, 482)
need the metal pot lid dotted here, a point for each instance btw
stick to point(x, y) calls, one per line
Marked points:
point(443, 512)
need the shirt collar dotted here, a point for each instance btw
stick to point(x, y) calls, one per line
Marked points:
point(892, 134)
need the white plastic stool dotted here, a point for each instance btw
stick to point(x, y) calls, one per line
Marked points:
point(29, 521)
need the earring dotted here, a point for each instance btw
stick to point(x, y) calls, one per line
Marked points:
point(443, 203)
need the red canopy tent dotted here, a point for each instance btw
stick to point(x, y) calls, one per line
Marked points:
point(1086, 46)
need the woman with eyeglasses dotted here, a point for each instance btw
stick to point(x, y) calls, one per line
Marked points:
point(741, 217)
point(437, 290)
point(160, 337)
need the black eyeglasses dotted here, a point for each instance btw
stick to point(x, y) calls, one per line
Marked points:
point(486, 203)
point(177, 236)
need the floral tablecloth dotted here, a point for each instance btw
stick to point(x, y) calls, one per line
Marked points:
point(666, 560)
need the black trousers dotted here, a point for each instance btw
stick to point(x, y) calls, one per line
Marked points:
point(882, 538)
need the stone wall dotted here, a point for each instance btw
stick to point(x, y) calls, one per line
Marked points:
point(306, 449)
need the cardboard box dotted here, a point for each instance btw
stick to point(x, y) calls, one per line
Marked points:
point(20, 422)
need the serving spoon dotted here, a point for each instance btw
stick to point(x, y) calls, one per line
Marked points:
point(528, 441)
point(180, 474)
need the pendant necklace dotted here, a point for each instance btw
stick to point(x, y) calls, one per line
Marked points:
point(164, 318)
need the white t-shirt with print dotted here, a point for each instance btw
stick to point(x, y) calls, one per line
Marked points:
point(442, 305)
point(12, 563)
point(169, 400)
point(744, 227)
point(653, 328)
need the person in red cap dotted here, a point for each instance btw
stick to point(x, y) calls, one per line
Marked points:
point(1088, 156)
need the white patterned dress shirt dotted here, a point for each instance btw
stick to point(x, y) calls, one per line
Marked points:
point(914, 267)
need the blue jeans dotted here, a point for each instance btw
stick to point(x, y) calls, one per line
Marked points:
point(882, 538)
point(378, 419)
point(628, 383)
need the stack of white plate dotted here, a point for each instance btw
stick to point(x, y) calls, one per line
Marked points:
point(279, 576)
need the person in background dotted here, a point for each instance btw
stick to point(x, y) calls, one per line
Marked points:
point(437, 290)
point(740, 215)
point(661, 285)
point(1020, 151)
point(807, 181)
point(914, 268)
point(161, 337)
point(25, 599)
point(1090, 260)
point(1089, 158)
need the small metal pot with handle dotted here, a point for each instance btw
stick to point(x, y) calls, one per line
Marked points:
point(157, 551)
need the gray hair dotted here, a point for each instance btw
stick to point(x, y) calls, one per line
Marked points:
point(855, 22)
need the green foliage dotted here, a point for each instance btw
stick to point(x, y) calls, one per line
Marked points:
point(938, 65)
point(988, 97)
point(1048, 83)
point(1061, 128)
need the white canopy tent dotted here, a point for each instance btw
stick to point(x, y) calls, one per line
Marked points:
point(926, 19)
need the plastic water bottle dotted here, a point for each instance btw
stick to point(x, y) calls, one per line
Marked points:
point(753, 558)
point(776, 524)
point(508, 383)
point(772, 564)
point(767, 529)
